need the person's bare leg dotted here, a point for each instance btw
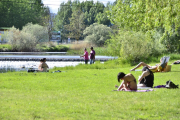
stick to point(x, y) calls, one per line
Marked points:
point(121, 86)
point(144, 74)
point(139, 65)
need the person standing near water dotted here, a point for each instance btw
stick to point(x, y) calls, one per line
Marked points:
point(86, 58)
point(92, 56)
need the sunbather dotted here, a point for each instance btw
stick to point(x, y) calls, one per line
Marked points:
point(157, 68)
point(147, 78)
point(128, 83)
point(43, 66)
point(177, 62)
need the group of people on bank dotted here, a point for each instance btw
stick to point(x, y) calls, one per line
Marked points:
point(43, 67)
point(145, 80)
point(86, 56)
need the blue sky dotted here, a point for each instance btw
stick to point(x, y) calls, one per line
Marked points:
point(54, 4)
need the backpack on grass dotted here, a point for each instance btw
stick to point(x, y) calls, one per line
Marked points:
point(170, 84)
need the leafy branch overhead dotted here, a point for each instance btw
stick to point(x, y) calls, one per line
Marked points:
point(146, 14)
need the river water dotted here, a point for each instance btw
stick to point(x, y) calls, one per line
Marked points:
point(21, 65)
point(24, 66)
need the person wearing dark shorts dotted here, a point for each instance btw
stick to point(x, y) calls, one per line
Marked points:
point(147, 78)
point(86, 58)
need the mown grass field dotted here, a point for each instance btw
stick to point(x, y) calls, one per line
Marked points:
point(85, 94)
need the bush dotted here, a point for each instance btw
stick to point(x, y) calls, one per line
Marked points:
point(97, 34)
point(27, 39)
point(132, 46)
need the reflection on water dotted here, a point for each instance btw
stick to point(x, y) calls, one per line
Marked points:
point(24, 66)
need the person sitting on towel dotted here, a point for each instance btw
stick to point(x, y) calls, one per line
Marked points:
point(128, 83)
point(147, 78)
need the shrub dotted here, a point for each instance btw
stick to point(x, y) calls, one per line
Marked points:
point(28, 38)
point(97, 34)
point(132, 46)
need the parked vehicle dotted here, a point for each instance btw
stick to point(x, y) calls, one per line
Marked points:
point(56, 36)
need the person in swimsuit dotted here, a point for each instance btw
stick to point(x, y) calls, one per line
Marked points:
point(128, 83)
point(152, 68)
point(147, 78)
point(43, 67)
point(176, 62)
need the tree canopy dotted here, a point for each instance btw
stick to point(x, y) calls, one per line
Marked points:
point(92, 12)
point(146, 14)
point(18, 13)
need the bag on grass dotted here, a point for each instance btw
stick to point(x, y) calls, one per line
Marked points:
point(170, 84)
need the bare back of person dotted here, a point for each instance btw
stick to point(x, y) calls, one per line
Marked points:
point(130, 80)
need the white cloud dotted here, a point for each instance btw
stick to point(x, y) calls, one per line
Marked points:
point(54, 4)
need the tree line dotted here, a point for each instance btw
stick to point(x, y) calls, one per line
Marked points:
point(73, 17)
point(18, 13)
point(154, 24)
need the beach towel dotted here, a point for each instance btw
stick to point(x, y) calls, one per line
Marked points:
point(146, 90)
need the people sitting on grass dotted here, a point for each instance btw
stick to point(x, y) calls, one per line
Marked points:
point(147, 78)
point(157, 68)
point(128, 83)
point(43, 67)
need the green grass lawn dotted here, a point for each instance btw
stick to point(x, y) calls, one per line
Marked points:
point(80, 94)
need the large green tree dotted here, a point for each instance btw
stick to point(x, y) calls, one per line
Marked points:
point(62, 18)
point(18, 13)
point(76, 25)
point(150, 16)
point(93, 12)
point(146, 14)
point(102, 17)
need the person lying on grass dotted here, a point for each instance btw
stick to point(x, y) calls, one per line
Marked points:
point(147, 78)
point(156, 68)
point(176, 62)
point(128, 83)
